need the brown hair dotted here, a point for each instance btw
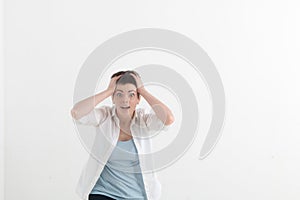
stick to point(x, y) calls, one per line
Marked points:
point(126, 78)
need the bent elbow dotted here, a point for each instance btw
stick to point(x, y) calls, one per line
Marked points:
point(170, 120)
point(74, 113)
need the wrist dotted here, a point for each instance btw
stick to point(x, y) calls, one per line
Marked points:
point(142, 90)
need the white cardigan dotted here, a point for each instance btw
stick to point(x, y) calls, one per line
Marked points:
point(106, 123)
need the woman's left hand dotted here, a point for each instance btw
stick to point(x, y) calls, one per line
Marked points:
point(140, 85)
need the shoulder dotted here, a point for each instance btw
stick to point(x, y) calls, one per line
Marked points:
point(140, 112)
point(105, 109)
point(148, 118)
point(143, 115)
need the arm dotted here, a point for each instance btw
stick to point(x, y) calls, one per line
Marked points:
point(160, 109)
point(85, 106)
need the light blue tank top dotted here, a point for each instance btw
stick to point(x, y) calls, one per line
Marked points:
point(121, 177)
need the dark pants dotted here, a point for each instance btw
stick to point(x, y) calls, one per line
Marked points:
point(99, 197)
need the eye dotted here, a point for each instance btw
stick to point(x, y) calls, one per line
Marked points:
point(131, 94)
point(119, 95)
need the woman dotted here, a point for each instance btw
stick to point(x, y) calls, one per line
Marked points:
point(126, 128)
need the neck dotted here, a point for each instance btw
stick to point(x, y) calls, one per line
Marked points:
point(125, 120)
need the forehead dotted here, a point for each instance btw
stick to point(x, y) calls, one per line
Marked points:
point(125, 87)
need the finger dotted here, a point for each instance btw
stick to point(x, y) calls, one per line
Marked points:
point(116, 77)
point(134, 76)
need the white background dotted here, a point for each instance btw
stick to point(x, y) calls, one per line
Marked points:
point(254, 45)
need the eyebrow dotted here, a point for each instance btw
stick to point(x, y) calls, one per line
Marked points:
point(123, 91)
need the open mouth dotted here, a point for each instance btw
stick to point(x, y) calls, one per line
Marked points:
point(125, 107)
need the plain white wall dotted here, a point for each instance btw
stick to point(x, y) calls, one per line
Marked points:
point(2, 123)
point(254, 45)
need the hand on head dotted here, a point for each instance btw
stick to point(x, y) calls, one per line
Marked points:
point(112, 84)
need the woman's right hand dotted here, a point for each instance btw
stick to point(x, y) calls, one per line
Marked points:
point(112, 84)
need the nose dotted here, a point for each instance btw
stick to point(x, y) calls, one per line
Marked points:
point(125, 98)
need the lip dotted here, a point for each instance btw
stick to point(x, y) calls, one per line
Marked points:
point(125, 107)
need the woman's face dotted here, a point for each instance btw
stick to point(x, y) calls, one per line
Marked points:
point(125, 98)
